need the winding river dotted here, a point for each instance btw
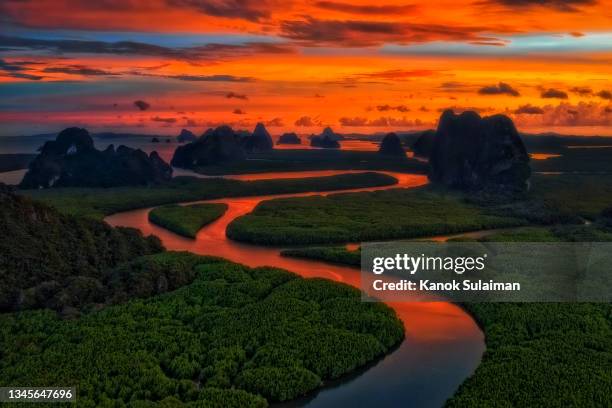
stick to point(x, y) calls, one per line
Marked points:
point(443, 344)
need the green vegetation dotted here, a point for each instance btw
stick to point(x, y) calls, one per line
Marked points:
point(582, 160)
point(541, 355)
point(11, 162)
point(351, 217)
point(48, 259)
point(186, 220)
point(234, 337)
point(332, 254)
point(317, 159)
point(99, 202)
point(583, 195)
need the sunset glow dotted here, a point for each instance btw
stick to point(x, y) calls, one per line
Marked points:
point(300, 65)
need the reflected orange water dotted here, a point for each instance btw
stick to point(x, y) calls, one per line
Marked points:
point(435, 328)
point(543, 156)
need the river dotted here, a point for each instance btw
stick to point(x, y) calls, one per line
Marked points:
point(443, 344)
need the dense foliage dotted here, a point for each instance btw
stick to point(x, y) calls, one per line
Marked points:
point(351, 217)
point(541, 355)
point(316, 159)
point(583, 195)
point(231, 337)
point(186, 220)
point(332, 254)
point(99, 202)
point(51, 260)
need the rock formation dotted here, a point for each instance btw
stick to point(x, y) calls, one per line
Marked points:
point(391, 145)
point(289, 138)
point(424, 144)
point(213, 147)
point(259, 141)
point(327, 139)
point(155, 140)
point(72, 161)
point(186, 136)
point(472, 153)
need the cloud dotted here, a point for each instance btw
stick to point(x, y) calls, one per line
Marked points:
point(251, 10)
point(500, 89)
point(163, 120)
point(529, 110)
point(276, 122)
point(235, 95)
point(399, 108)
point(142, 105)
point(365, 9)
point(78, 70)
point(398, 74)
point(362, 33)
point(211, 78)
point(566, 114)
point(554, 93)
point(379, 122)
point(307, 121)
point(212, 51)
point(582, 90)
point(238, 111)
point(605, 95)
point(561, 5)
point(16, 70)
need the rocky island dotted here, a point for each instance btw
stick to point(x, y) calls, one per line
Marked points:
point(71, 160)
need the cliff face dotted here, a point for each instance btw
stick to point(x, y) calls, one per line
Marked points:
point(391, 145)
point(471, 153)
point(214, 146)
point(259, 141)
point(289, 138)
point(72, 161)
point(186, 136)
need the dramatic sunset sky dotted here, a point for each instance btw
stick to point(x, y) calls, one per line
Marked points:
point(156, 66)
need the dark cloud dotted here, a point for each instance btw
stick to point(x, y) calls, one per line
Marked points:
point(566, 114)
point(386, 108)
point(209, 51)
point(554, 93)
point(582, 90)
point(608, 109)
point(238, 111)
point(365, 9)
point(211, 78)
point(561, 5)
point(252, 10)
point(142, 105)
point(78, 70)
point(357, 33)
point(379, 122)
point(307, 121)
point(163, 120)
point(500, 89)
point(529, 110)
point(276, 122)
point(18, 69)
point(235, 95)
point(605, 95)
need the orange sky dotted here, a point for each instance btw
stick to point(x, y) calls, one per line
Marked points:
point(300, 65)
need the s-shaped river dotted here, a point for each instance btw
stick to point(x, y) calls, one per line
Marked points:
point(443, 344)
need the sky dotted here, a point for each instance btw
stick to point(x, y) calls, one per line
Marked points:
point(157, 66)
